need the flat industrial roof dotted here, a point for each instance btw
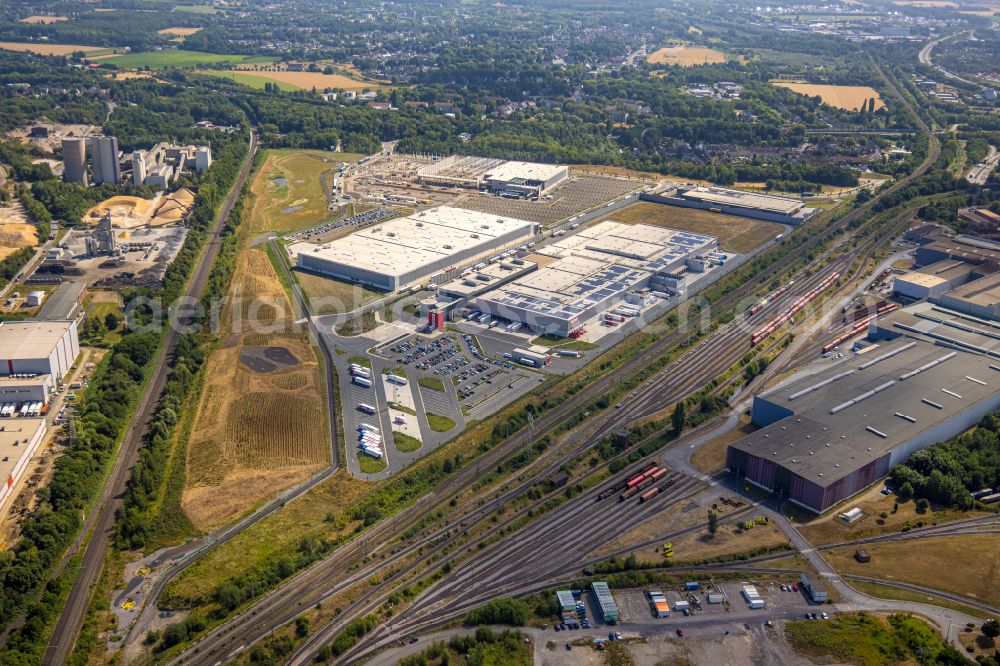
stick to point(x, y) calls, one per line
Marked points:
point(984, 291)
point(509, 171)
point(935, 323)
point(595, 264)
point(967, 248)
point(20, 431)
point(407, 243)
point(862, 408)
point(31, 338)
point(727, 197)
point(62, 301)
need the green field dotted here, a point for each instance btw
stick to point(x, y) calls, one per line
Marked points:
point(252, 80)
point(370, 465)
point(178, 58)
point(439, 423)
point(404, 443)
point(432, 383)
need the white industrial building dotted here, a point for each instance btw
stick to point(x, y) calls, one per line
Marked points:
point(19, 440)
point(525, 178)
point(784, 210)
point(596, 268)
point(431, 245)
point(37, 348)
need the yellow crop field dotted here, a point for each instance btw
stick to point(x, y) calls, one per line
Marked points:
point(686, 56)
point(256, 432)
point(178, 32)
point(48, 49)
point(305, 80)
point(842, 97)
point(44, 20)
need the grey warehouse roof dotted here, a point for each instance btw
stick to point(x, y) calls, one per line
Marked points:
point(863, 408)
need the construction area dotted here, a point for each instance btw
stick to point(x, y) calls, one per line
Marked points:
point(542, 193)
point(131, 212)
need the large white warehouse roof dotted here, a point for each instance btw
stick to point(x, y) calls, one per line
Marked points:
point(512, 171)
point(31, 339)
point(408, 244)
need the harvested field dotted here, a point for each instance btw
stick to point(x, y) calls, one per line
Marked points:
point(937, 4)
point(842, 97)
point(299, 80)
point(49, 49)
point(177, 58)
point(968, 565)
point(179, 32)
point(44, 20)
point(258, 430)
point(686, 56)
point(736, 234)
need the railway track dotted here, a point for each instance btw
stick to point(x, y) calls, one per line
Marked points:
point(102, 518)
point(284, 603)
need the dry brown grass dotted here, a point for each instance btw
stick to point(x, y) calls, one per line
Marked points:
point(47, 49)
point(686, 56)
point(44, 20)
point(710, 457)
point(254, 434)
point(310, 80)
point(841, 97)
point(729, 540)
point(736, 234)
point(179, 32)
point(968, 564)
point(831, 529)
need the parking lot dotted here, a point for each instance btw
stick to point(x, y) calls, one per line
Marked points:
point(352, 223)
point(572, 197)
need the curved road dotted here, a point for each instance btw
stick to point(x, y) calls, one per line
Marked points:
point(71, 619)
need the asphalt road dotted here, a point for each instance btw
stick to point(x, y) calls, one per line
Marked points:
point(68, 626)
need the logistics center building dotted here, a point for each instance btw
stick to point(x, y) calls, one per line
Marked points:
point(19, 440)
point(832, 434)
point(407, 251)
point(592, 270)
point(784, 210)
point(525, 178)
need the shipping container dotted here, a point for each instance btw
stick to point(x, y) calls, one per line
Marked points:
point(715, 598)
point(692, 585)
point(681, 605)
point(605, 602)
point(757, 604)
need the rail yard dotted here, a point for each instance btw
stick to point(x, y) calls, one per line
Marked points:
point(681, 377)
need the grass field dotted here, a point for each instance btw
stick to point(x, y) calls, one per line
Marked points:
point(330, 296)
point(686, 56)
point(298, 80)
point(255, 433)
point(710, 457)
point(439, 423)
point(867, 640)
point(179, 58)
point(405, 443)
point(841, 97)
point(52, 49)
point(432, 383)
point(370, 465)
point(968, 564)
point(736, 234)
point(290, 179)
point(309, 516)
point(887, 592)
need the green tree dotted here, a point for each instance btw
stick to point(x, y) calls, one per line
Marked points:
point(679, 418)
point(991, 628)
point(713, 522)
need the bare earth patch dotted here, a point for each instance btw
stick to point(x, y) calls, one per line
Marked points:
point(179, 32)
point(47, 49)
point(310, 80)
point(686, 56)
point(44, 20)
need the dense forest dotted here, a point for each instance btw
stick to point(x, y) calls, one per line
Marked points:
point(947, 472)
